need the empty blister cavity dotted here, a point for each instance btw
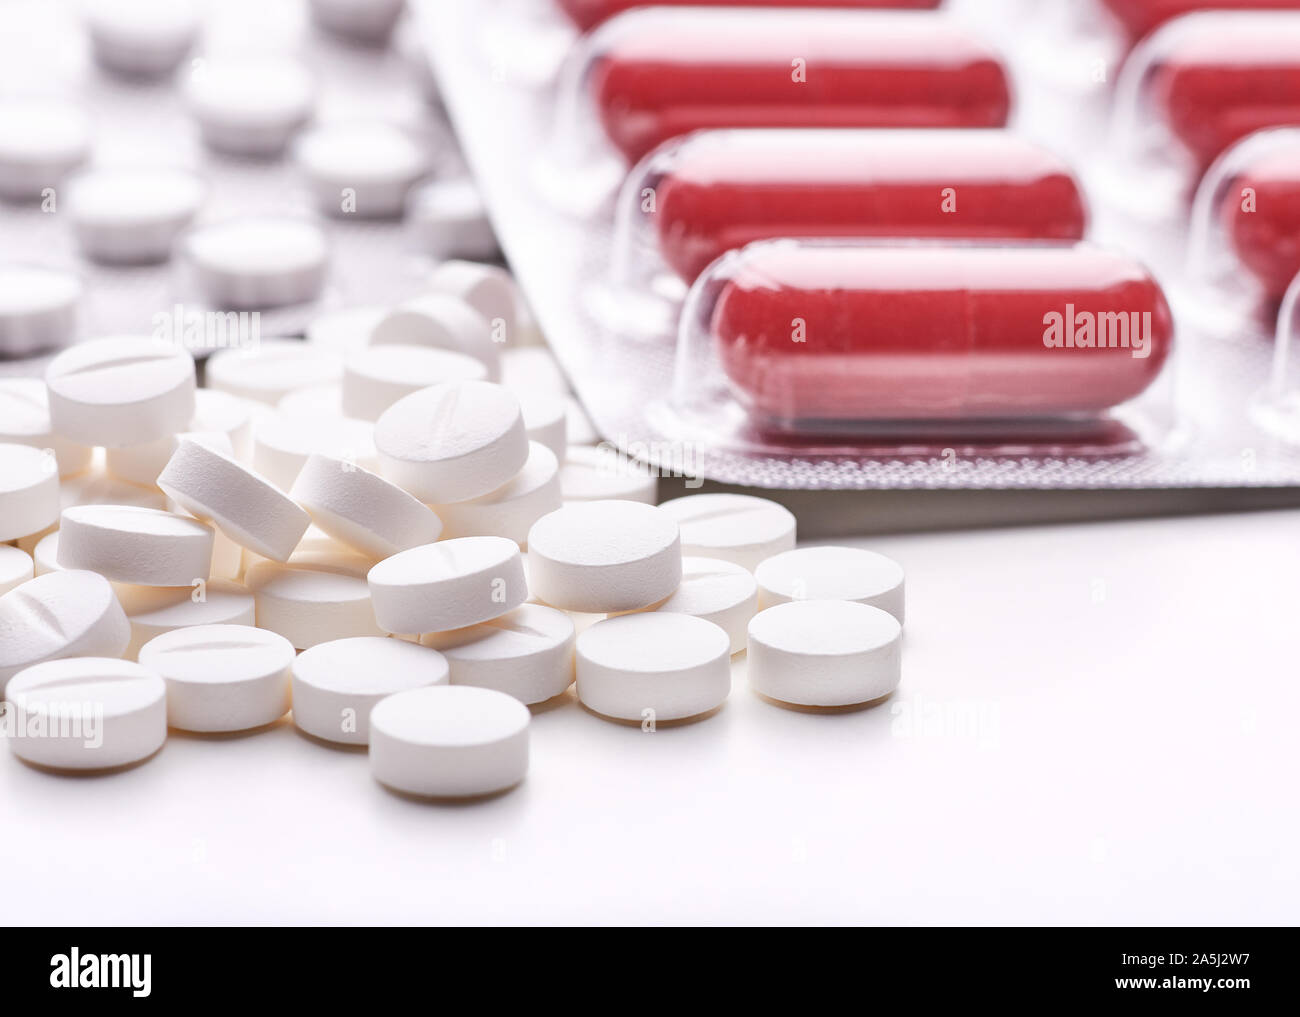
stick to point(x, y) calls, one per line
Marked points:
point(337, 684)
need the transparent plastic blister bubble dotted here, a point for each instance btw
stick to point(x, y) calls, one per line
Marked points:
point(695, 198)
point(1056, 349)
point(1244, 241)
point(222, 116)
point(651, 74)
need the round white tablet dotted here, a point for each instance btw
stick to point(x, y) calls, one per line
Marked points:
point(361, 169)
point(527, 653)
point(378, 376)
point(512, 508)
point(135, 545)
point(528, 369)
point(737, 527)
point(154, 610)
point(132, 216)
point(442, 322)
point(604, 556)
point(249, 107)
point(87, 713)
point(345, 330)
point(489, 290)
point(452, 742)
point(449, 220)
point(215, 412)
point(824, 652)
point(654, 666)
point(319, 401)
point(16, 567)
point(222, 677)
point(272, 369)
point(546, 421)
point(258, 263)
point(448, 585)
point(315, 598)
point(141, 38)
point(25, 420)
point(603, 472)
point(96, 487)
point(41, 141)
point(718, 591)
point(38, 309)
point(365, 21)
point(29, 490)
point(452, 442)
point(361, 508)
point(337, 684)
point(122, 390)
point(243, 505)
point(831, 573)
point(63, 614)
point(282, 444)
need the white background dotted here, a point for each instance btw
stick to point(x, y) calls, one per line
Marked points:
point(1103, 730)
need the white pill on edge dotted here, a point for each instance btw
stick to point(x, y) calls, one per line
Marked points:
point(526, 653)
point(132, 216)
point(442, 322)
point(282, 444)
point(737, 527)
point(489, 290)
point(272, 369)
point(602, 473)
point(125, 544)
point(16, 567)
point(64, 614)
point(25, 420)
point(449, 742)
point(362, 170)
point(365, 21)
point(41, 142)
point(155, 610)
point(452, 442)
point(121, 390)
point(258, 263)
point(831, 573)
point(511, 509)
point(29, 491)
point(824, 653)
point(87, 713)
point(337, 684)
point(450, 220)
point(38, 309)
point(141, 38)
point(448, 585)
point(653, 667)
point(222, 677)
point(315, 598)
point(378, 376)
point(363, 509)
point(604, 556)
point(246, 507)
point(249, 106)
point(718, 591)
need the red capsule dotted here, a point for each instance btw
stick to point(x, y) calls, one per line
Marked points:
point(1223, 76)
point(809, 331)
point(1141, 17)
point(589, 13)
point(1261, 211)
point(661, 72)
point(724, 189)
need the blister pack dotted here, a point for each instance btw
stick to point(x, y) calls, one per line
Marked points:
point(944, 245)
point(215, 159)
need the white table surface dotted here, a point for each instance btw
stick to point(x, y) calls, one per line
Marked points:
point(1097, 724)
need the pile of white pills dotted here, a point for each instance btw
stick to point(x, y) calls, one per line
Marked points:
point(391, 532)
